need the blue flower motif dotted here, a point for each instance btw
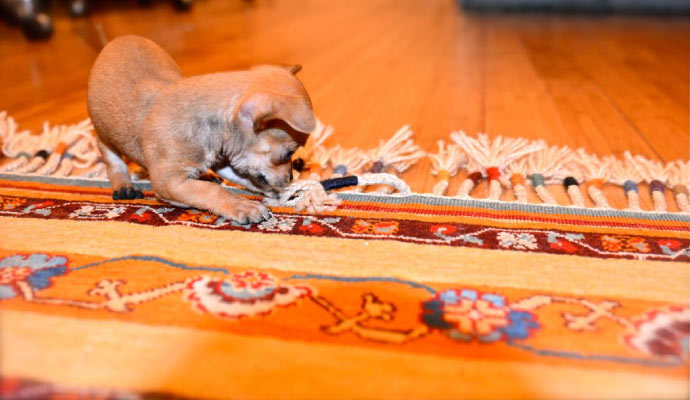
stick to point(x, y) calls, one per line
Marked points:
point(467, 315)
point(432, 315)
point(35, 269)
point(521, 322)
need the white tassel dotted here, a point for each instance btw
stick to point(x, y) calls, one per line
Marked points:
point(595, 173)
point(16, 144)
point(551, 163)
point(96, 171)
point(494, 156)
point(655, 174)
point(520, 193)
point(517, 172)
point(679, 178)
point(46, 142)
point(314, 142)
point(494, 189)
point(576, 196)
point(548, 166)
point(8, 128)
point(470, 181)
point(65, 168)
point(50, 165)
point(659, 200)
point(544, 195)
point(13, 142)
point(344, 161)
point(465, 188)
point(399, 152)
point(318, 162)
point(597, 196)
point(84, 148)
point(624, 173)
point(445, 164)
point(19, 162)
point(31, 166)
point(574, 191)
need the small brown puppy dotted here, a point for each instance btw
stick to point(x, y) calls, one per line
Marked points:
point(244, 125)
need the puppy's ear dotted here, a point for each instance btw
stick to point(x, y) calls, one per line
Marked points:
point(294, 68)
point(258, 110)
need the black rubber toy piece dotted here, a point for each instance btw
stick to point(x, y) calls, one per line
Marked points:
point(337, 183)
point(127, 193)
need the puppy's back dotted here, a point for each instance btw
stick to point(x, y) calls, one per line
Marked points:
point(128, 75)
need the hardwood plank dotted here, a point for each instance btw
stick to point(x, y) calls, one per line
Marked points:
point(605, 84)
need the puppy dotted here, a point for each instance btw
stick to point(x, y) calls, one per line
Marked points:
point(244, 125)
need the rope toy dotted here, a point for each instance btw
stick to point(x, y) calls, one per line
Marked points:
point(312, 196)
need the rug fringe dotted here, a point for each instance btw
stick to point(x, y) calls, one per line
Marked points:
point(71, 150)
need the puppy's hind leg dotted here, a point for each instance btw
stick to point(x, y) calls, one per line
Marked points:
point(118, 174)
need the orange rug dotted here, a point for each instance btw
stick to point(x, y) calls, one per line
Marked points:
point(387, 297)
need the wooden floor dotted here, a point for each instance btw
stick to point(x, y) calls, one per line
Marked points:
point(607, 84)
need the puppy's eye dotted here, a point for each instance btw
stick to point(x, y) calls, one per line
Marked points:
point(298, 165)
point(286, 157)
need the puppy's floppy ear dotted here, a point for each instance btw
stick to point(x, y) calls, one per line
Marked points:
point(260, 109)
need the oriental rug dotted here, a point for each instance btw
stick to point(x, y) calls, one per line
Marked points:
point(387, 297)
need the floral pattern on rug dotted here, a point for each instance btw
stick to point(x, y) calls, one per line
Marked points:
point(657, 338)
point(662, 333)
point(468, 315)
point(246, 294)
point(29, 273)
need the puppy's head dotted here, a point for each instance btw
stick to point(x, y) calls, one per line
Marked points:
point(274, 117)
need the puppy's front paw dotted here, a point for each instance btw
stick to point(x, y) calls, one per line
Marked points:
point(245, 211)
point(127, 193)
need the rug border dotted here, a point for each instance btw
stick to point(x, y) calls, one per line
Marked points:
point(393, 199)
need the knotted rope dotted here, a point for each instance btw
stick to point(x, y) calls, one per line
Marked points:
point(312, 195)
